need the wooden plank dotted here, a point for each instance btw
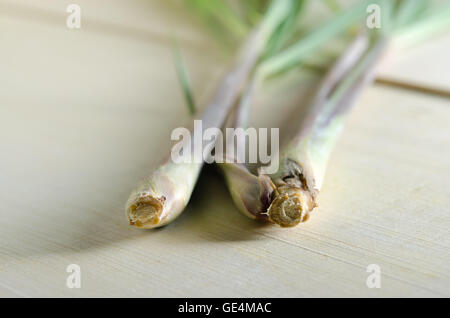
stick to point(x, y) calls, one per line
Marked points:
point(384, 202)
point(422, 64)
point(85, 115)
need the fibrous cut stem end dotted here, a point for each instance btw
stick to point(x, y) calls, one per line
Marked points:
point(291, 206)
point(146, 211)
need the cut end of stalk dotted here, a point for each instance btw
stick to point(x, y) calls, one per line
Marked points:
point(291, 206)
point(146, 211)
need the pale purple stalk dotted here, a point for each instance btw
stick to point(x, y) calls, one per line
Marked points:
point(288, 196)
point(303, 160)
point(163, 195)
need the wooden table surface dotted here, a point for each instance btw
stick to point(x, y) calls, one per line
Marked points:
point(86, 113)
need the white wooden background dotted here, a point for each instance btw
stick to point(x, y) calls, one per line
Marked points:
point(84, 114)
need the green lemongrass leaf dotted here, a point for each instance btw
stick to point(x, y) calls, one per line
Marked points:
point(408, 11)
point(219, 10)
point(183, 77)
point(220, 31)
point(388, 15)
point(434, 20)
point(292, 56)
point(285, 30)
point(252, 10)
point(217, 30)
point(333, 5)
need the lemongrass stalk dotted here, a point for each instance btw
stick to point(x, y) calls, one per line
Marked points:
point(303, 160)
point(251, 194)
point(265, 197)
point(164, 194)
point(293, 190)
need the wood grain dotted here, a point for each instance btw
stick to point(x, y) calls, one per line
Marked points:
point(85, 114)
